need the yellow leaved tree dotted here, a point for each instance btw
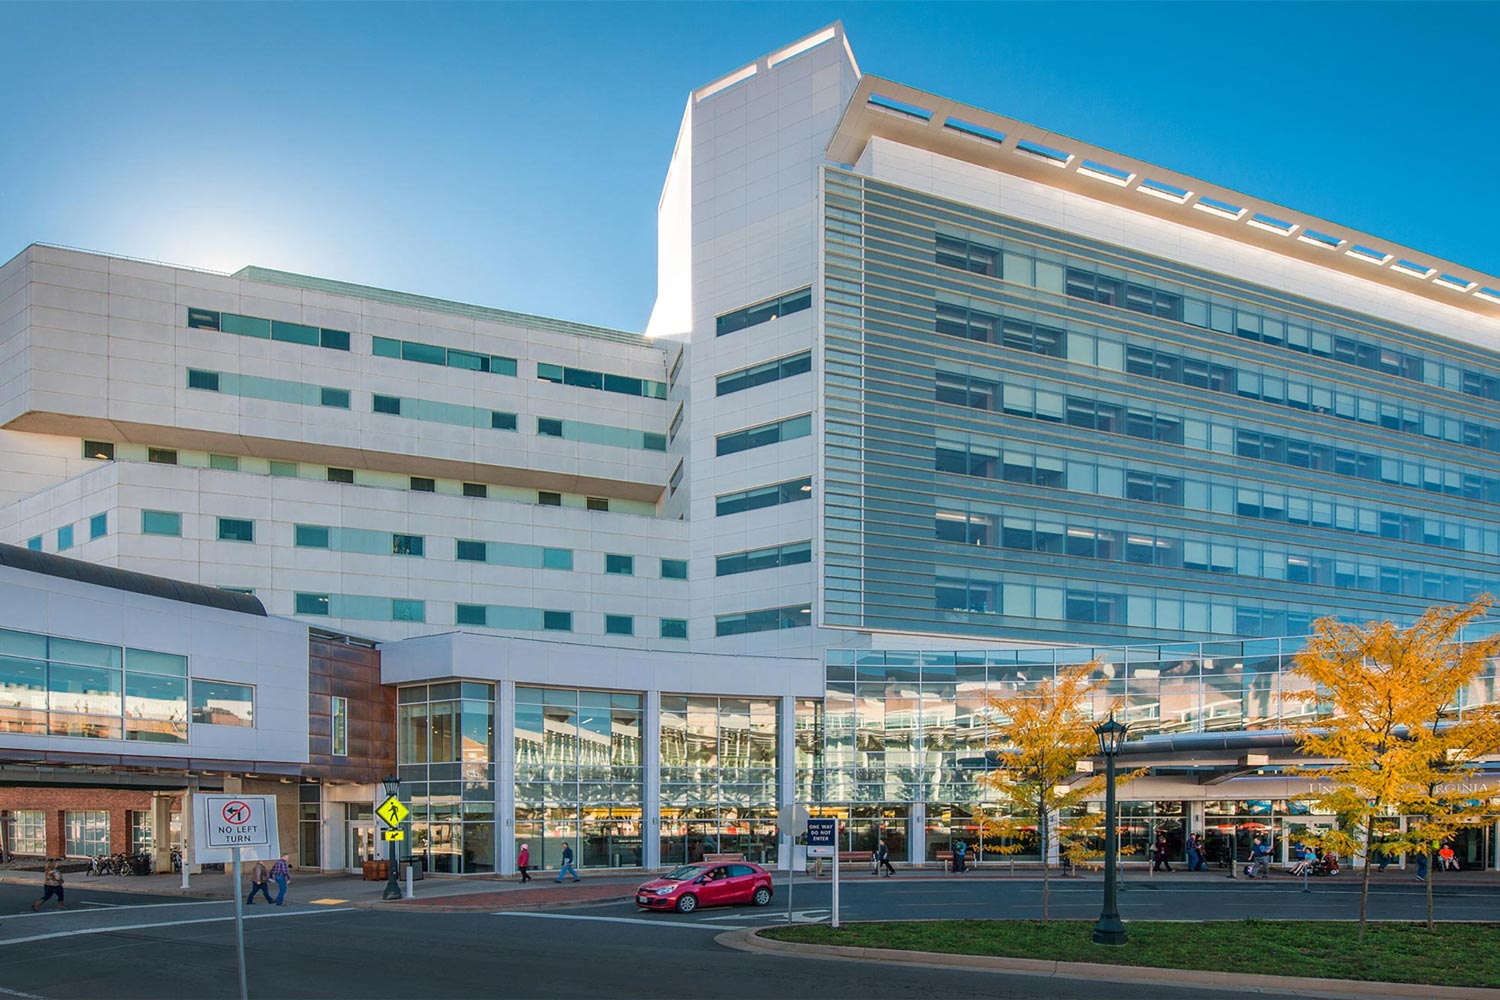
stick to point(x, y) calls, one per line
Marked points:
point(1390, 733)
point(1040, 734)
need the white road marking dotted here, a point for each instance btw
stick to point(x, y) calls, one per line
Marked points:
point(7, 942)
point(90, 902)
point(126, 906)
point(622, 920)
point(18, 993)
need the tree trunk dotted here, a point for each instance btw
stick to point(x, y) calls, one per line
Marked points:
point(1364, 885)
point(1430, 871)
point(1046, 839)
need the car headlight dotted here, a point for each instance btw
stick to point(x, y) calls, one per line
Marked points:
point(664, 892)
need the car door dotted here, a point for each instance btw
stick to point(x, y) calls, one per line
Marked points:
point(742, 879)
point(716, 888)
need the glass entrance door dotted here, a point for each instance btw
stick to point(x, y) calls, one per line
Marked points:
point(361, 844)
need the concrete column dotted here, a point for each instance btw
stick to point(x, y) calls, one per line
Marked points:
point(651, 784)
point(786, 774)
point(505, 778)
point(161, 830)
point(916, 836)
point(190, 865)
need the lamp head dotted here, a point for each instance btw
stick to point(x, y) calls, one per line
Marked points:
point(1111, 734)
point(392, 784)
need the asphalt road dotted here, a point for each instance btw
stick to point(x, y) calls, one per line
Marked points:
point(110, 945)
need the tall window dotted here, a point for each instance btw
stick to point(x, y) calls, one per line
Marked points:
point(29, 835)
point(142, 831)
point(340, 727)
point(86, 833)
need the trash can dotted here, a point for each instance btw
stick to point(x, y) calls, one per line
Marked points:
point(418, 868)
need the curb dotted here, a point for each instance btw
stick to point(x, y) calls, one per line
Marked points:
point(749, 939)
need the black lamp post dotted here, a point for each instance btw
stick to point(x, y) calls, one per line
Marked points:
point(393, 847)
point(1109, 929)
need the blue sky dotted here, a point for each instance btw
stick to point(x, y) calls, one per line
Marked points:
point(512, 155)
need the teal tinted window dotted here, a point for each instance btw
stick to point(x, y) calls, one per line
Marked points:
point(623, 565)
point(288, 469)
point(549, 373)
point(245, 326)
point(770, 371)
point(408, 611)
point(335, 340)
point(197, 379)
point(334, 397)
point(548, 427)
point(98, 526)
point(791, 554)
point(470, 614)
point(470, 551)
point(385, 347)
point(502, 366)
point(311, 604)
point(65, 538)
point(502, 421)
point(468, 360)
point(408, 545)
point(764, 434)
point(767, 620)
point(557, 621)
point(619, 625)
point(763, 496)
point(310, 536)
point(233, 529)
point(674, 569)
point(557, 558)
point(160, 522)
point(387, 404)
point(202, 319)
point(294, 333)
point(147, 661)
point(224, 463)
point(34, 544)
point(763, 312)
point(674, 628)
point(425, 354)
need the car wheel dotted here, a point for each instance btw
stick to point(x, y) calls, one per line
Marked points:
point(687, 903)
point(762, 896)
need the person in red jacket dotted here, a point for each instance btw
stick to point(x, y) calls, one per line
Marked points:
point(523, 862)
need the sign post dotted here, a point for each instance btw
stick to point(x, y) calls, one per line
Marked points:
point(392, 812)
point(229, 824)
point(823, 842)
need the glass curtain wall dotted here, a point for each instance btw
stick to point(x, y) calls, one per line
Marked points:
point(718, 778)
point(446, 762)
point(578, 776)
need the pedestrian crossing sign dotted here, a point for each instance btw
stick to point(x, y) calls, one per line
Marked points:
point(393, 811)
point(394, 834)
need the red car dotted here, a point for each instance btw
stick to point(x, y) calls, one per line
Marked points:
point(691, 886)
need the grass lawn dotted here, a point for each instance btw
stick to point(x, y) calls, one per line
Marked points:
point(1453, 955)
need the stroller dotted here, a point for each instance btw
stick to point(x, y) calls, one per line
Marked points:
point(1328, 864)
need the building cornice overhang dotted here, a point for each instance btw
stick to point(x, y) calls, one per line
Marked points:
point(882, 108)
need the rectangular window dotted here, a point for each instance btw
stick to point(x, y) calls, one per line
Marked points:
point(502, 421)
point(220, 703)
point(622, 565)
point(423, 484)
point(34, 544)
point(285, 469)
point(224, 463)
point(294, 333)
point(619, 625)
point(202, 319)
point(790, 491)
point(767, 620)
point(557, 621)
point(596, 503)
point(339, 740)
point(161, 456)
point(334, 340)
point(310, 536)
point(763, 312)
point(340, 475)
point(311, 604)
point(142, 836)
point(85, 833)
point(104, 451)
point(198, 379)
point(161, 522)
point(557, 559)
point(233, 529)
point(470, 614)
point(386, 404)
point(65, 537)
point(468, 551)
point(675, 480)
point(674, 569)
point(791, 554)
point(547, 499)
point(338, 398)
point(586, 379)
point(385, 347)
point(764, 434)
point(408, 611)
point(549, 427)
point(245, 326)
point(769, 371)
point(425, 354)
point(98, 526)
point(30, 832)
point(476, 490)
point(674, 628)
point(408, 545)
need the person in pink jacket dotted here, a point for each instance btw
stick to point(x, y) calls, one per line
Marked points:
point(523, 862)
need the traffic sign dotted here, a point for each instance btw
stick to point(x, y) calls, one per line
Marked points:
point(393, 811)
point(239, 820)
point(394, 834)
point(822, 837)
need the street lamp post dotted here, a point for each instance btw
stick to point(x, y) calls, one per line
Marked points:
point(1110, 929)
point(393, 847)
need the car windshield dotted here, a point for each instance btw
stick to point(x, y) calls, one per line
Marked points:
point(683, 874)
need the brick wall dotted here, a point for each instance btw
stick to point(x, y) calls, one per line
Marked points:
point(118, 802)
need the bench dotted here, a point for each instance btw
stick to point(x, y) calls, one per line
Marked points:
point(713, 858)
point(946, 857)
point(856, 857)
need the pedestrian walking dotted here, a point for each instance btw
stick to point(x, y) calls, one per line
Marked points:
point(960, 850)
point(1260, 859)
point(1195, 861)
point(883, 860)
point(260, 881)
point(52, 885)
point(1159, 862)
point(1422, 864)
point(282, 873)
point(523, 862)
point(567, 865)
